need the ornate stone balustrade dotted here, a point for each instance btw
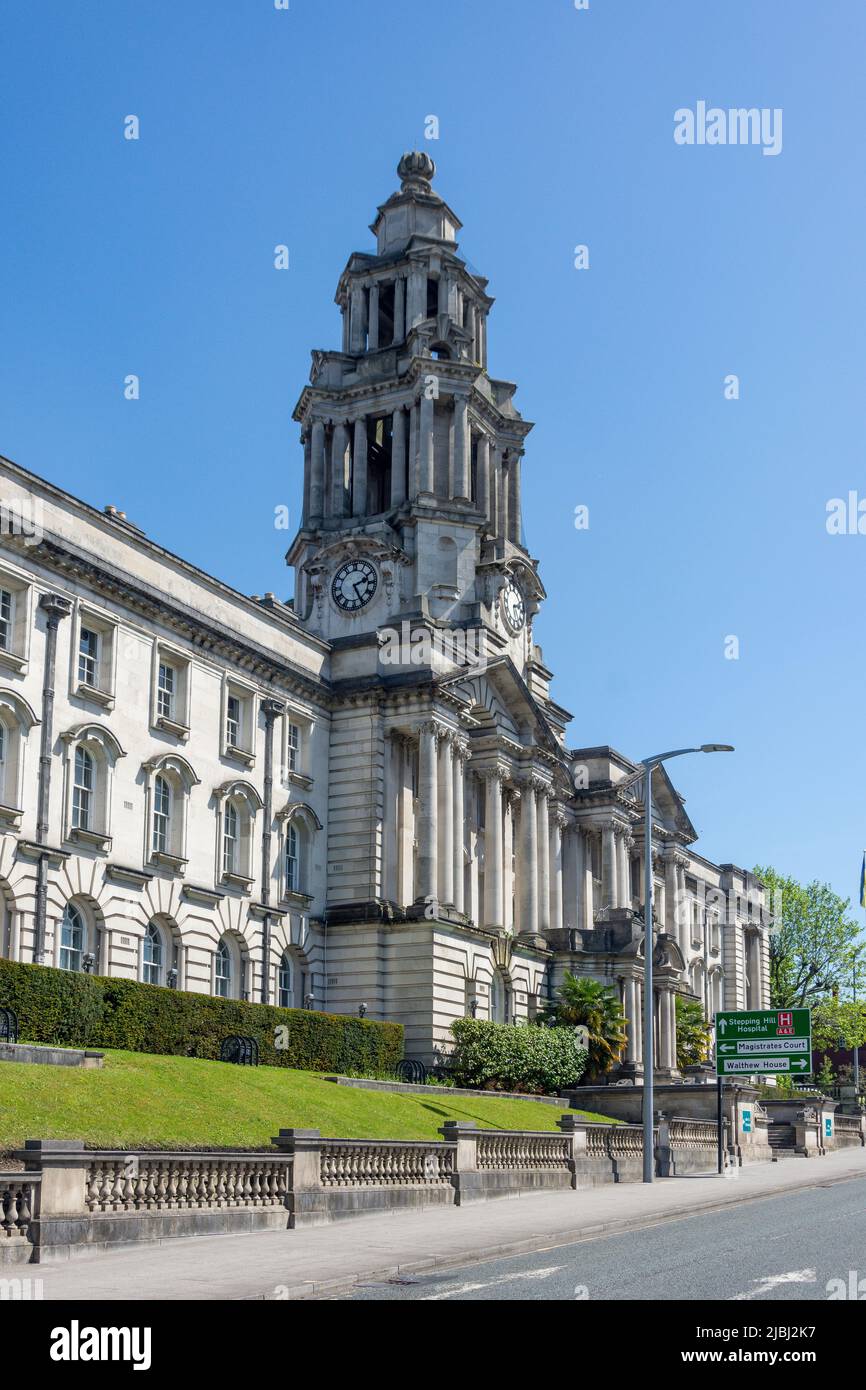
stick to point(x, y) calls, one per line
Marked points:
point(124, 1182)
point(17, 1205)
point(693, 1134)
point(366, 1163)
point(69, 1196)
point(520, 1151)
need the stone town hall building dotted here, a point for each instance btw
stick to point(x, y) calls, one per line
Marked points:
point(321, 803)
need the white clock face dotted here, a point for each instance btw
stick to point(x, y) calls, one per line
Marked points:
point(513, 607)
point(354, 585)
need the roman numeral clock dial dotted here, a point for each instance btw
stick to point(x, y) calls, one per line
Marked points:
point(354, 585)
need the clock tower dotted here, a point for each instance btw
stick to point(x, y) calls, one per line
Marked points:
point(412, 452)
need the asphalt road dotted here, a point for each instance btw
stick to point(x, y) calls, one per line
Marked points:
point(783, 1248)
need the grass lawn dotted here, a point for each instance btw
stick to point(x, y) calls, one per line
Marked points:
point(137, 1100)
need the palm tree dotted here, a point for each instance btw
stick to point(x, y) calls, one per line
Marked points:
point(694, 1034)
point(597, 1008)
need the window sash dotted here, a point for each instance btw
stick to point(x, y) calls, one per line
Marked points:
point(233, 722)
point(294, 746)
point(5, 618)
point(161, 816)
point(165, 691)
point(88, 657)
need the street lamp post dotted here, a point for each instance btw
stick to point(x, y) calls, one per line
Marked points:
point(648, 765)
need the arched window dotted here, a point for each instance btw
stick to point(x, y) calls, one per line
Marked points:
point(82, 790)
point(223, 974)
point(239, 803)
point(299, 826)
point(161, 816)
point(16, 721)
point(231, 836)
point(153, 956)
point(169, 781)
point(293, 880)
point(284, 982)
point(73, 939)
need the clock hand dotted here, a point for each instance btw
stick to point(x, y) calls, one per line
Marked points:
point(355, 587)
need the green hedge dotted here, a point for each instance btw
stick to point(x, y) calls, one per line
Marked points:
point(515, 1056)
point(72, 1010)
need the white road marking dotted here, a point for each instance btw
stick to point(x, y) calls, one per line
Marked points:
point(489, 1283)
point(772, 1281)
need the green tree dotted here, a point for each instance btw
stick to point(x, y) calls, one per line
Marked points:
point(814, 943)
point(596, 1007)
point(838, 1023)
point(826, 1077)
point(693, 1033)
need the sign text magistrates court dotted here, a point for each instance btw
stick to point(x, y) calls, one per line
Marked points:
point(763, 1040)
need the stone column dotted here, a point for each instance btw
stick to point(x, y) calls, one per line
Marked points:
point(493, 849)
point(528, 924)
point(427, 886)
point(672, 1027)
point(442, 294)
point(339, 441)
point(684, 925)
point(317, 469)
point(412, 470)
point(580, 875)
point(461, 448)
point(425, 445)
point(608, 866)
point(359, 468)
point(446, 821)
point(482, 338)
point(398, 456)
point(557, 826)
point(514, 500)
point(482, 472)
point(633, 1021)
point(460, 753)
point(511, 800)
point(373, 330)
point(670, 917)
point(307, 441)
point(416, 298)
point(357, 326)
point(503, 490)
point(663, 1028)
point(543, 831)
point(638, 1032)
point(399, 309)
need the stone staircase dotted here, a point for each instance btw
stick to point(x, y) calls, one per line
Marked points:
point(781, 1138)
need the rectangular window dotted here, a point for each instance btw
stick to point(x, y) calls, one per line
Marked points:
point(161, 812)
point(88, 657)
point(230, 840)
point(294, 746)
point(233, 722)
point(292, 875)
point(5, 619)
point(82, 791)
point(165, 691)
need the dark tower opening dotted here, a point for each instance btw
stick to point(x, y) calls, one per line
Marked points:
point(379, 466)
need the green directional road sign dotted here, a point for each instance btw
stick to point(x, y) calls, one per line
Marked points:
point(763, 1040)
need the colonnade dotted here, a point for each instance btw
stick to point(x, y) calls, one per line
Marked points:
point(479, 470)
point(363, 325)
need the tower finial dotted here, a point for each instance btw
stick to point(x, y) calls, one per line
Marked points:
point(416, 170)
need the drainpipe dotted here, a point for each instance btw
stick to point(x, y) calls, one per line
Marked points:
point(271, 709)
point(56, 607)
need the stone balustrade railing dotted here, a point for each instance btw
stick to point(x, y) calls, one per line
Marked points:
point(369, 1163)
point(69, 1196)
point(152, 1182)
point(17, 1204)
point(849, 1129)
point(693, 1134)
point(521, 1151)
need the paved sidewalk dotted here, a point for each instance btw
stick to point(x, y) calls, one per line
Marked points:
point(322, 1260)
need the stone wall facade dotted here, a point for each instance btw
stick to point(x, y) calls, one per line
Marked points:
point(365, 796)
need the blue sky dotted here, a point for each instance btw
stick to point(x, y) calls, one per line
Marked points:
point(707, 516)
